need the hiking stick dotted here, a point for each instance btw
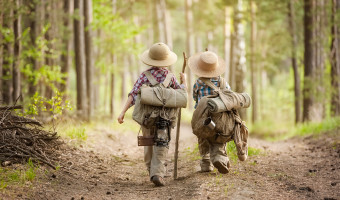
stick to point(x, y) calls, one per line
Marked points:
point(179, 123)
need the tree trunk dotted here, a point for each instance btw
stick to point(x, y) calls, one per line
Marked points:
point(7, 61)
point(112, 71)
point(335, 59)
point(49, 36)
point(167, 28)
point(1, 47)
point(112, 91)
point(210, 39)
point(320, 59)
point(158, 35)
point(151, 30)
point(252, 63)
point(132, 68)
point(123, 75)
point(89, 56)
point(36, 25)
point(292, 27)
point(17, 52)
point(79, 44)
point(232, 81)
point(239, 52)
point(309, 38)
point(189, 47)
point(227, 39)
point(138, 40)
point(67, 41)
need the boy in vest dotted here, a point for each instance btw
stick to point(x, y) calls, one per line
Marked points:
point(209, 65)
point(158, 57)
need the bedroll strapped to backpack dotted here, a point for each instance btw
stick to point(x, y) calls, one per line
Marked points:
point(227, 123)
point(160, 94)
point(148, 107)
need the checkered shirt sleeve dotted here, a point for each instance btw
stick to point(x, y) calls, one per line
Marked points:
point(159, 74)
point(200, 89)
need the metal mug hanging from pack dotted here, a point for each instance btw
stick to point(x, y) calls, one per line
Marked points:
point(209, 123)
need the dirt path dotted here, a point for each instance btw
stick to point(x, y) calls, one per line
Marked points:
point(110, 166)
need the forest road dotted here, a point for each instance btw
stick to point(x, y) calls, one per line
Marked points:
point(110, 166)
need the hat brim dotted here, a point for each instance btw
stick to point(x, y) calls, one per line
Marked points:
point(193, 65)
point(172, 58)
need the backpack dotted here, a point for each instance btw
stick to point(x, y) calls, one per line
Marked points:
point(146, 114)
point(228, 124)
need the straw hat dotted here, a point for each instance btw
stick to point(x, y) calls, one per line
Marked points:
point(206, 64)
point(159, 55)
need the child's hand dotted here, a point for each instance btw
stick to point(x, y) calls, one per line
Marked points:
point(121, 118)
point(183, 78)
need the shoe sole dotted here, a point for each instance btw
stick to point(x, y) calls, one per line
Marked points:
point(158, 182)
point(221, 167)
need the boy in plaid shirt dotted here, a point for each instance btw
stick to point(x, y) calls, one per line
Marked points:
point(208, 65)
point(158, 57)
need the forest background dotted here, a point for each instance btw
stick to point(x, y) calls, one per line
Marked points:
point(84, 54)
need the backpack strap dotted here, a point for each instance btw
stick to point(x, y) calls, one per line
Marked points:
point(223, 84)
point(151, 78)
point(213, 86)
point(167, 79)
point(210, 84)
point(216, 89)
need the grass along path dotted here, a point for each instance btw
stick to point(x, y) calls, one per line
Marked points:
point(109, 165)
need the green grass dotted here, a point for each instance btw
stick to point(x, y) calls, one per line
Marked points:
point(193, 153)
point(232, 151)
point(281, 131)
point(77, 133)
point(10, 176)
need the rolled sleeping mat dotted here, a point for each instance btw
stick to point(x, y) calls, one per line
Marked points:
point(167, 97)
point(232, 100)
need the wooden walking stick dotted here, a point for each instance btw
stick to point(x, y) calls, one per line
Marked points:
point(179, 123)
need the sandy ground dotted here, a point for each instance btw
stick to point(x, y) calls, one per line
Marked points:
point(110, 166)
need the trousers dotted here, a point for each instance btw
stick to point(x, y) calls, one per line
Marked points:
point(154, 156)
point(211, 150)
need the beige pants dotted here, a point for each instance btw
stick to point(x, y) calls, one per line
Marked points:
point(154, 157)
point(211, 151)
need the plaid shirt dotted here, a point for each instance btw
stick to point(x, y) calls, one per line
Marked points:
point(201, 89)
point(160, 74)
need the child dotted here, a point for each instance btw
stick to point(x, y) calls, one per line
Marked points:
point(158, 57)
point(208, 65)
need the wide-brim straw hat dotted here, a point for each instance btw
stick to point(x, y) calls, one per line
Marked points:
point(159, 55)
point(206, 64)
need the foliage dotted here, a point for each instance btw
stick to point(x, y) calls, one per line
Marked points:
point(55, 105)
point(117, 33)
point(42, 49)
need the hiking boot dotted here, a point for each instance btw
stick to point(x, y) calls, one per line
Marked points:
point(207, 168)
point(222, 167)
point(206, 165)
point(222, 163)
point(158, 181)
